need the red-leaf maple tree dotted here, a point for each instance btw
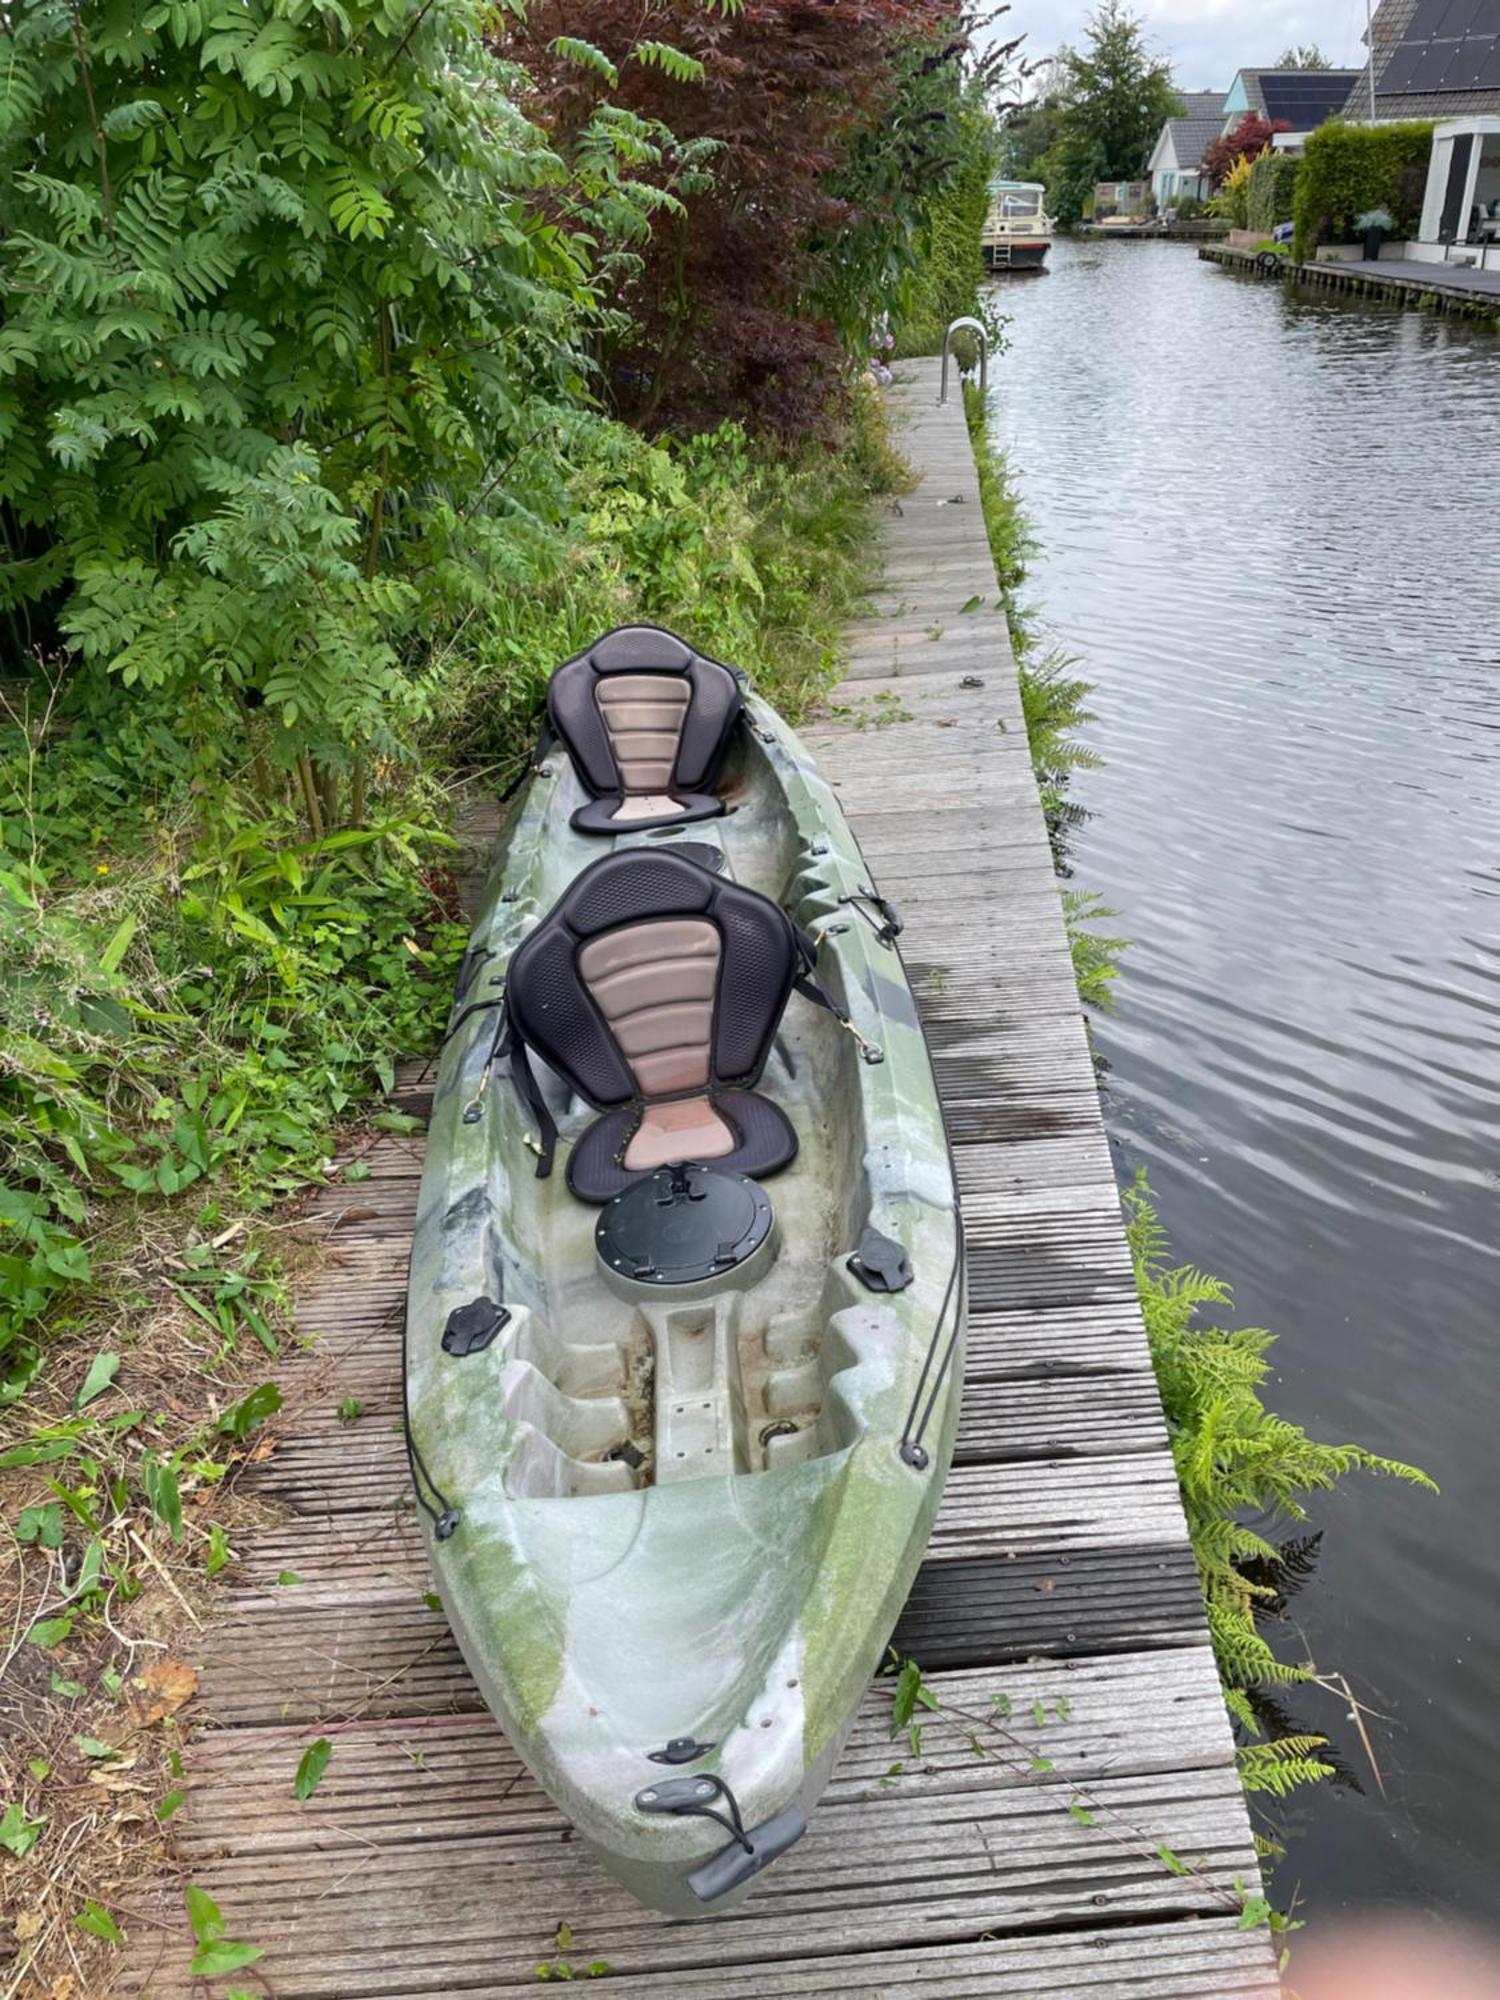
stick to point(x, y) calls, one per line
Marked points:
point(1247, 141)
point(723, 301)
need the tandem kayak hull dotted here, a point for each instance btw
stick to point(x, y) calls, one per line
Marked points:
point(673, 1527)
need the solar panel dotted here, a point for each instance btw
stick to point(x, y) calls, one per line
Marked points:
point(1462, 17)
point(1448, 45)
point(1305, 99)
point(1397, 74)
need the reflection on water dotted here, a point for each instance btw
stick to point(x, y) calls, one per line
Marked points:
point(1268, 530)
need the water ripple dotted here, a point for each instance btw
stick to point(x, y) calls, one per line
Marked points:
point(1266, 533)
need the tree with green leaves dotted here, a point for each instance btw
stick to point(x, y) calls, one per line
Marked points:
point(1119, 95)
point(1303, 55)
point(1104, 107)
point(283, 324)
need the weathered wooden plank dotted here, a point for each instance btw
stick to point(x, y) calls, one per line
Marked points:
point(1206, 1960)
point(967, 830)
point(429, 1908)
point(1055, 1602)
point(1010, 1421)
point(1012, 1510)
point(1066, 1340)
point(374, 1876)
point(363, 1644)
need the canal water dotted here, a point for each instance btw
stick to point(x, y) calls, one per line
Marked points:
point(1268, 531)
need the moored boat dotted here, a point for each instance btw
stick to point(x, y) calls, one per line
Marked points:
point(1017, 231)
point(680, 1410)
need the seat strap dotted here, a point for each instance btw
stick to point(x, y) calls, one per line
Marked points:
point(808, 984)
point(530, 1093)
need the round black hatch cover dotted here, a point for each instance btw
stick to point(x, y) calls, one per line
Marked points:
point(683, 1225)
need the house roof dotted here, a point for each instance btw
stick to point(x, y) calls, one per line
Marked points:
point(1202, 103)
point(1188, 138)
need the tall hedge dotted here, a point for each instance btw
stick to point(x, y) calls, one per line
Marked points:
point(945, 284)
point(1273, 189)
point(1347, 169)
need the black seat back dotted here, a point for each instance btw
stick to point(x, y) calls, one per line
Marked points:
point(644, 719)
point(653, 980)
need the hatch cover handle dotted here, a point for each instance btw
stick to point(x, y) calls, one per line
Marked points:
point(681, 1750)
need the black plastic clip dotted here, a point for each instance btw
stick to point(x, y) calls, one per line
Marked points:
point(681, 1750)
point(694, 1798)
point(471, 1328)
point(880, 1264)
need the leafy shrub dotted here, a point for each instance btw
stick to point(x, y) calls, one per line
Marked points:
point(1348, 168)
point(1247, 141)
point(1233, 198)
point(945, 284)
point(194, 990)
point(754, 552)
point(283, 323)
point(1273, 188)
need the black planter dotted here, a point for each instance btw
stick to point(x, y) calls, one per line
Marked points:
point(1373, 240)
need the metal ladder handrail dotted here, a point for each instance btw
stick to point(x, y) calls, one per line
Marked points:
point(984, 355)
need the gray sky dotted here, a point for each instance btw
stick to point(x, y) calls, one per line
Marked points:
point(1208, 40)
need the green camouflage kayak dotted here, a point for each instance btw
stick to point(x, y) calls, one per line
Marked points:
point(680, 1411)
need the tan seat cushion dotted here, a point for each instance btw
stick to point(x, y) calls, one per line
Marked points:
point(654, 983)
point(646, 805)
point(681, 1129)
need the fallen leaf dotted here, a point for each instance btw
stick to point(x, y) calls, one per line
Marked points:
point(28, 1923)
point(1046, 1584)
point(261, 1452)
point(168, 1683)
point(112, 1778)
point(64, 1987)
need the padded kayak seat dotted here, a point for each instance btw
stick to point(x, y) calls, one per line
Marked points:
point(647, 723)
point(655, 989)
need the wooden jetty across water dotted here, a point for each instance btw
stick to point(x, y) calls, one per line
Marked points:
point(427, 1863)
point(1463, 289)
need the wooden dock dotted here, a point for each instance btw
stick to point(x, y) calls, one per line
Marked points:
point(427, 1863)
point(1463, 289)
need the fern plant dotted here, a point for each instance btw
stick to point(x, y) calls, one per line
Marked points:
point(1238, 1464)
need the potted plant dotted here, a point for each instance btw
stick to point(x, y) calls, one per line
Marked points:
point(1372, 226)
